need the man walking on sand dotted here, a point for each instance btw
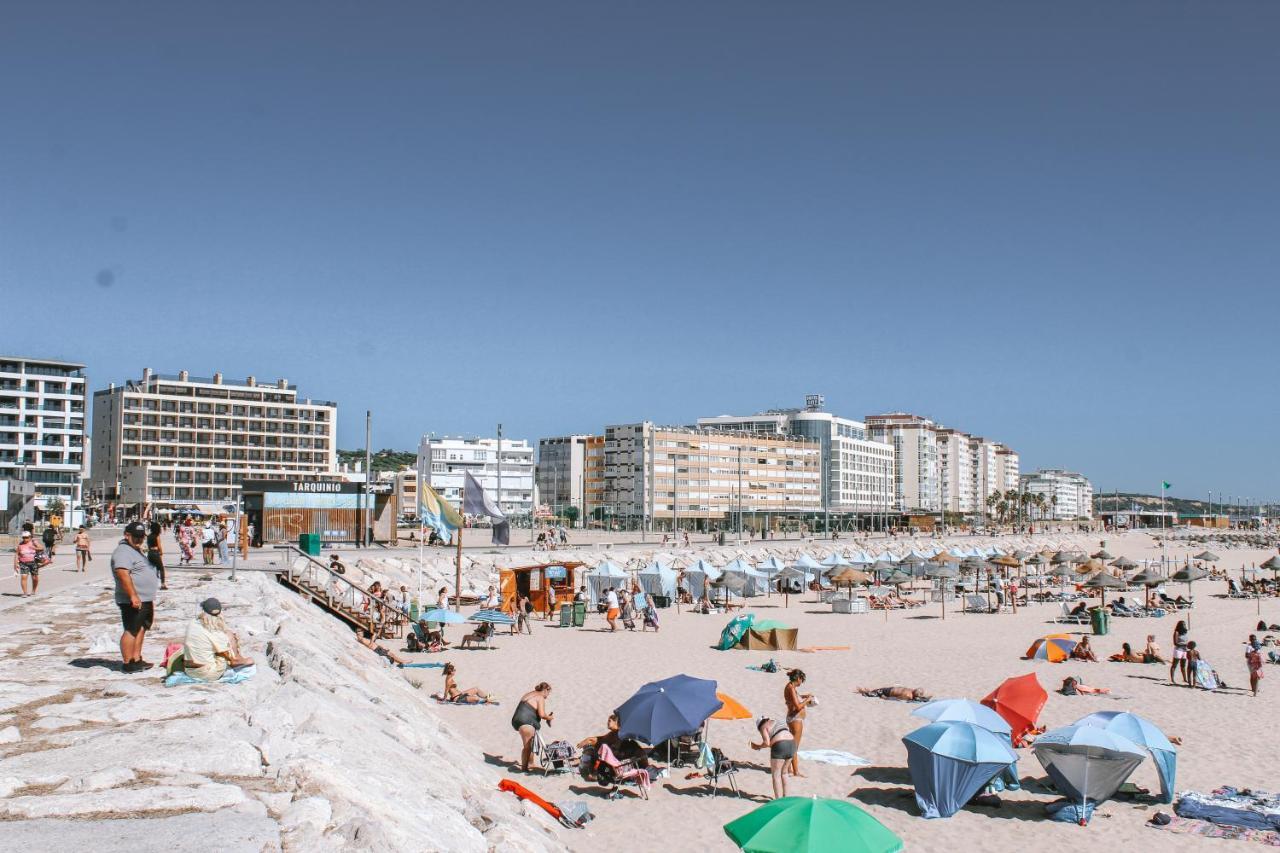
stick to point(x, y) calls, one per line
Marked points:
point(136, 584)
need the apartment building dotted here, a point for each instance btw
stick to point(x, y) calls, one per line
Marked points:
point(857, 473)
point(180, 440)
point(446, 461)
point(955, 471)
point(917, 482)
point(42, 427)
point(1067, 495)
point(593, 469)
point(698, 478)
point(1007, 473)
point(562, 473)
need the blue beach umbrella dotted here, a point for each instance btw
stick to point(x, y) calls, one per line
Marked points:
point(963, 711)
point(661, 710)
point(497, 617)
point(1146, 734)
point(950, 762)
point(443, 616)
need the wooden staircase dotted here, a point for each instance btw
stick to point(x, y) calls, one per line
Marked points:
point(341, 598)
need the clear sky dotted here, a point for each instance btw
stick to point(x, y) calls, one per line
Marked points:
point(1053, 224)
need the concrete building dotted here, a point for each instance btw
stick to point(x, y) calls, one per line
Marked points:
point(1007, 472)
point(446, 461)
point(562, 473)
point(698, 478)
point(175, 440)
point(1067, 495)
point(917, 481)
point(593, 495)
point(42, 428)
point(857, 473)
point(955, 465)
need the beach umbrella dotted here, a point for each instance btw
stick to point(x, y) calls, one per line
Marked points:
point(1102, 582)
point(1123, 563)
point(1102, 555)
point(836, 561)
point(441, 616)
point(1054, 648)
point(861, 558)
point(944, 557)
point(811, 825)
point(963, 711)
point(770, 565)
point(730, 582)
point(1207, 557)
point(1061, 558)
point(1020, 554)
point(850, 577)
point(882, 566)
point(898, 576)
point(1019, 700)
point(495, 617)
point(730, 709)
point(661, 710)
point(1147, 578)
point(951, 761)
point(1087, 763)
point(735, 631)
point(807, 563)
point(1271, 565)
point(1007, 562)
point(1146, 734)
point(943, 573)
point(788, 575)
point(1188, 575)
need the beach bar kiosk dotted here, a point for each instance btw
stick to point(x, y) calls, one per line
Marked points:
point(548, 585)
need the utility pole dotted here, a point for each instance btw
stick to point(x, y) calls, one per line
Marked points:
point(500, 473)
point(739, 494)
point(365, 516)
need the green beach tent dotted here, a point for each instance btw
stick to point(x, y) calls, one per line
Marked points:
point(803, 824)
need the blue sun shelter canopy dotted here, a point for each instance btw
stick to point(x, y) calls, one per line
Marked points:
point(1086, 763)
point(697, 576)
point(950, 762)
point(1146, 734)
point(658, 579)
point(607, 574)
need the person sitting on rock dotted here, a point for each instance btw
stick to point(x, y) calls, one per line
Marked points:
point(209, 647)
point(365, 638)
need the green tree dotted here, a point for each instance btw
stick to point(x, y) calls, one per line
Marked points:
point(571, 515)
point(55, 506)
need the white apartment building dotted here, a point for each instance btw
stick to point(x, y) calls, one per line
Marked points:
point(179, 440)
point(1067, 495)
point(1007, 473)
point(42, 418)
point(917, 479)
point(983, 470)
point(857, 473)
point(700, 478)
point(562, 472)
point(446, 461)
point(955, 465)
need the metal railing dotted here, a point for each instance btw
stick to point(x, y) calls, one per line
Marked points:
point(342, 596)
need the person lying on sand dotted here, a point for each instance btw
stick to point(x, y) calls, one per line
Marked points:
point(1074, 686)
point(1126, 655)
point(470, 696)
point(365, 638)
point(903, 694)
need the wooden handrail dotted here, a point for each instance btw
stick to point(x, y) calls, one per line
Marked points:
point(391, 617)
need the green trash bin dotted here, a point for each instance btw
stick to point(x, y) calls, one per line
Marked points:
point(579, 614)
point(1101, 620)
point(309, 543)
point(566, 615)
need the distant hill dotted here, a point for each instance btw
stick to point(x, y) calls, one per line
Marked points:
point(383, 460)
point(1182, 506)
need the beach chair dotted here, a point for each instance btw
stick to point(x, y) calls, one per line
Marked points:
point(978, 604)
point(556, 757)
point(719, 770)
point(480, 635)
point(614, 774)
point(1234, 590)
point(859, 605)
point(1071, 618)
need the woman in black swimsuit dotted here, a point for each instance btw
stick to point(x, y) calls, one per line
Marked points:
point(531, 710)
point(782, 748)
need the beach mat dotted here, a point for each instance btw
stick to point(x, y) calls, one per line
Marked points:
point(1205, 829)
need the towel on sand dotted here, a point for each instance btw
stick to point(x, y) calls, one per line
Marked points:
point(231, 676)
point(833, 756)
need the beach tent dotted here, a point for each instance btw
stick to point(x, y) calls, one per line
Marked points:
point(811, 825)
point(1019, 700)
point(963, 711)
point(951, 761)
point(735, 631)
point(1086, 763)
point(658, 579)
point(697, 575)
point(1144, 733)
point(607, 574)
point(768, 635)
point(770, 565)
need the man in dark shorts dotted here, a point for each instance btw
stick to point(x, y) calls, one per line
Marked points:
point(136, 584)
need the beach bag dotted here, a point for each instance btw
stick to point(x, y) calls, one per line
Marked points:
point(1066, 811)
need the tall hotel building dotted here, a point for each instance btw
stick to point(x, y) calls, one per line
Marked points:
point(917, 483)
point(183, 440)
point(445, 463)
point(42, 414)
point(698, 478)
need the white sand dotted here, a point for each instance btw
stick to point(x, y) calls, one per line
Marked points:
point(1225, 734)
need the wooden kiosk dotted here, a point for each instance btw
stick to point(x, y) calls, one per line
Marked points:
point(548, 585)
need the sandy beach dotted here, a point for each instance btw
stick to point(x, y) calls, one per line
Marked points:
point(965, 655)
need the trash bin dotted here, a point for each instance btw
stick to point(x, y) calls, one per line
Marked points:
point(566, 615)
point(579, 614)
point(1100, 619)
point(309, 543)
point(661, 601)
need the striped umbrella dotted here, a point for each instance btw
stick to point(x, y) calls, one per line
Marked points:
point(1054, 648)
point(497, 617)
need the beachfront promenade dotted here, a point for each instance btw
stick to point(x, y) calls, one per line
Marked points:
point(327, 746)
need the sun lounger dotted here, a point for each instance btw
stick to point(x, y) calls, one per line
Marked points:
point(614, 773)
point(1072, 618)
point(978, 604)
point(720, 770)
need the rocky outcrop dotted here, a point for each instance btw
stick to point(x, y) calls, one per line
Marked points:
point(327, 748)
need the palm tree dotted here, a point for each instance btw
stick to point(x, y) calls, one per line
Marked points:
point(1053, 499)
point(1002, 509)
point(992, 500)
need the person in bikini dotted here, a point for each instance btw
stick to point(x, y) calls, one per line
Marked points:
point(776, 738)
point(902, 694)
point(796, 703)
point(470, 696)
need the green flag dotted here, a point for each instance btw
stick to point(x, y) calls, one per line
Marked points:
point(1167, 486)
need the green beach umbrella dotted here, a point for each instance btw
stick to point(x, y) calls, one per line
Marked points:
point(802, 824)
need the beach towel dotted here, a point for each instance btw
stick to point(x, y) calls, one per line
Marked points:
point(231, 676)
point(833, 756)
point(824, 649)
point(1232, 807)
point(1206, 829)
point(422, 666)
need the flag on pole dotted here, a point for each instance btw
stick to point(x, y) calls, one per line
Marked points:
point(476, 501)
point(1167, 486)
point(437, 513)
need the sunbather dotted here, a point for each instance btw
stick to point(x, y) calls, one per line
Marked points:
point(479, 635)
point(1072, 686)
point(365, 638)
point(1126, 655)
point(1151, 654)
point(1083, 651)
point(470, 696)
point(903, 694)
point(1081, 609)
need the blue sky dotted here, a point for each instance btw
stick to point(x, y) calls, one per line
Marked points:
point(1055, 225)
